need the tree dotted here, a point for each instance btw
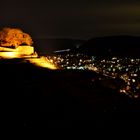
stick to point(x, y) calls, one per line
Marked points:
point(14, 37)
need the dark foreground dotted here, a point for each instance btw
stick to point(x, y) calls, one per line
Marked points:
point(62, 99)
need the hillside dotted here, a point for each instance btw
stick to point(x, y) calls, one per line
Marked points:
point(61, 98)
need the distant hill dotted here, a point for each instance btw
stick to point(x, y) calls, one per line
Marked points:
point(112, 45)
point(47, 46)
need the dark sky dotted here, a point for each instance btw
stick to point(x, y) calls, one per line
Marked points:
point(72, 18)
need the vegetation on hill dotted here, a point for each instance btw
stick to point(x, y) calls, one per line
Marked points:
point(14, 37)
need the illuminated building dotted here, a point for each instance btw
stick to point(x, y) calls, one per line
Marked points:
point(26, 52)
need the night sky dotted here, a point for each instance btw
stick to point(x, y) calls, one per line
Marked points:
point(81, 19)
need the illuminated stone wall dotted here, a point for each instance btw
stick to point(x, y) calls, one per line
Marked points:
point(19, 52)
point(25, 50)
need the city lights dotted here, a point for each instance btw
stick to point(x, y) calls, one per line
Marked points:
point(127, 69)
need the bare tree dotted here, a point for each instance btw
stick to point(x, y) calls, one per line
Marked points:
point(14, 37)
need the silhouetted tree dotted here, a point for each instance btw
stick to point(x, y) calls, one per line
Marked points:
point(14, 37)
